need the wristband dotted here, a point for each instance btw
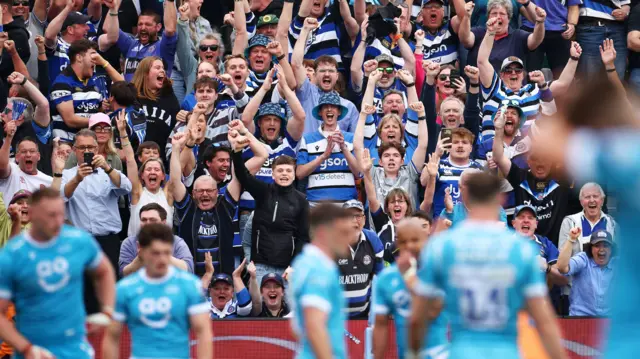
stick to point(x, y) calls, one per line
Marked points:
point(574, 58)
point(548, 268)
point(397, 37)
point(58, 175)
point(410, 84)
point(187, 146)
point(126, 144)
point(611, 70)
point(539, 21)
point(526, 4)
point(474, 85)
point(109, 170)
point(105, 65)
point(422, 118)
point(289, 1)
point(23, 81)
point(113, 14)
point(279, 58)
point(572, 240)
point(42, 53)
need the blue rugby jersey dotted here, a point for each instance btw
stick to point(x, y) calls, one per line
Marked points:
point(441, 47)
point(493, 96)
point(325, 40)
point(449, 177)
point(86, 96)
point(332, 180)
point(484, 273)
point(134, 52)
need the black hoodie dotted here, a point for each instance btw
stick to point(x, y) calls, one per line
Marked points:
point(17, 32)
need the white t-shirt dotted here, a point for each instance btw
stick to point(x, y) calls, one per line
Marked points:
point(18, 180)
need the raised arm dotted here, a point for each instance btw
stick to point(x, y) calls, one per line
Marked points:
point(407, 55)
point(297, 57)
point(175, 175)
point(251, 184)
point(360, 11)
point(41, 115)
point(565, 252)
point(537, 36)
point(357, 74)
point(240, 26)
point(9, 131)
point(428, 179)
point(370, 189)
point(253, 106)
point(423, 135)
point(283, 66)
point(282, 33)
point(111, 26)
point(466, 36)
point(350, 24)
point(254, 290)
point(132, 165)
point(504, 163)
point(484, 51)
point(114, 74)
point(170, 18)
point(94, 10)
point(608, 55)
point(295, 124)
point(54, 27)
point(40, 10)
point(18, 64)
point(566, 77)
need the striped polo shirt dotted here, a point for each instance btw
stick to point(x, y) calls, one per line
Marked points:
point(441, 47)
point(379, 47)
point(528, 96)
point(325, 40)
point(332, 180)
point(449, 177)
point(286, 146)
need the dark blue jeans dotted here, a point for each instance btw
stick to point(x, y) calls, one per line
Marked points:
point(590, 39)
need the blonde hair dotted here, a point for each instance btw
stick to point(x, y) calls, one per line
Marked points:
point(391, 117)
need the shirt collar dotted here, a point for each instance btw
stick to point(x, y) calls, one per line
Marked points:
point(602, 215)
point(48, 244)
point(609, 265)
point(225, 311)
point(164, 278)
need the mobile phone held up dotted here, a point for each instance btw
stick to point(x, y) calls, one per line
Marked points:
point(454, 76)
point(445, 135)
point(88, 159)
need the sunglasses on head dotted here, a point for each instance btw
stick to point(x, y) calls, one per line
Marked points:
point(21, 3)
point(386, 69)
point(208, 47)
point(514, 70)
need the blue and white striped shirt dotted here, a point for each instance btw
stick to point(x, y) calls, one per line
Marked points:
point(325, 40)
point(442, 47)
point(449, 177)
point(332, 180)
point(598, 9)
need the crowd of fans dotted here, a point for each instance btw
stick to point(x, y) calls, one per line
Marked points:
point(228, 120)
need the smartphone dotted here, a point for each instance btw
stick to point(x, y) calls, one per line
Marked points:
point(453, 78)
point(445, 135)
point(88, 158)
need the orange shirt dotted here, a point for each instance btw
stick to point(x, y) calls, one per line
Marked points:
point(5, 349)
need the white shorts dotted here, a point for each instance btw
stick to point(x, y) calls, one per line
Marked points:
point(439, 352)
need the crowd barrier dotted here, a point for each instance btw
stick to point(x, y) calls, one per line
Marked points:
point(272, 339)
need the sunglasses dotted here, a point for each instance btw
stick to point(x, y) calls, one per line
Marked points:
point(443, 77)
point(513, 70)
point(208, 47)
point(21, 3)
point(388, 70)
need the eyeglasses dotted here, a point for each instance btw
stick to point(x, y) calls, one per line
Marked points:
point(21, 3)
point(513, 70)
point(207, 191)
point(386, 69)
point(204, 48)
point(397, 201)
point(106, 129)
point(86, 148)
point(443, 77)
point(357, 217)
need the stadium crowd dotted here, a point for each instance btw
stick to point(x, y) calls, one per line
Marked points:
point(228, 120)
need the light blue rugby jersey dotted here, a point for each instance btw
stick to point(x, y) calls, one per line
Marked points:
point(316, 285)
point(391, 297)
point(486, 273)
point(157, 312)
point(45, 281)
point(610, 158)
point(332, 180)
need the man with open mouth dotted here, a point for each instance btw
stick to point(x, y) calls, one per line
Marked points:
point(227, 295)
point(147, 42)
point(591, 272)
point(14, 217)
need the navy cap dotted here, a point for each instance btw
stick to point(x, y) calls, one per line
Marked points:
point(601, 236)
point(221, 277)
point(272, 277)
point(523, 207)
point(74, 18)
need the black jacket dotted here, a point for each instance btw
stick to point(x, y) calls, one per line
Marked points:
point(17, 32)
point(280, 220)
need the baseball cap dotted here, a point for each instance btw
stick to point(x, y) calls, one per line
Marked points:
point(511, 60)
point(19, 195)
point(272, 277)
point(385, 58)
point(601, 236)
point(353, 203)
point(515, 104)
point(221, 277)
point(425, 2)
point(98, 118)
point(268, 19)
point(74, 18)
point(523, 207)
